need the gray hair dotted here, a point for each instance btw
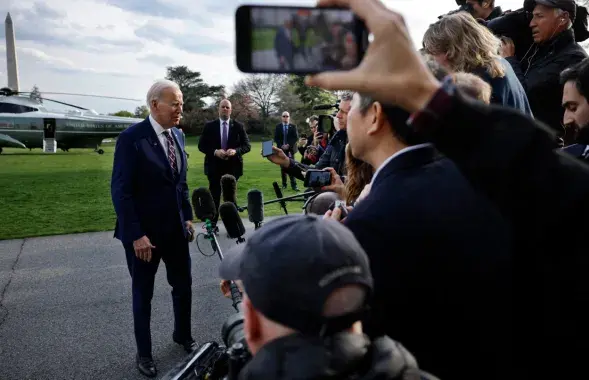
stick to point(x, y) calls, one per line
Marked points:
point(559, 12)
point(156, 90)
point(347, 95)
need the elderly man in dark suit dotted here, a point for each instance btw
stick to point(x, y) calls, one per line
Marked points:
point(286, 137)
point(151, 200)
point(224, 142)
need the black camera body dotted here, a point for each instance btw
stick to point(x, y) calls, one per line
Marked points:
point(213, 361)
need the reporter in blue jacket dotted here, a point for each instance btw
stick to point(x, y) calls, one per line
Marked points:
point(151, 200)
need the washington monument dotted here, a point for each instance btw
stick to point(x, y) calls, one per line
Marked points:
point(11, 61)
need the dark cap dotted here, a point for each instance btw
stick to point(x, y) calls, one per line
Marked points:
point(566, 5)
point(290, 266)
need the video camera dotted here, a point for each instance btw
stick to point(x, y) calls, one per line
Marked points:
point(463, 7)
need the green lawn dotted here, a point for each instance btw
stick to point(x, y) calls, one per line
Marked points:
point(263, 39)
point(49, 194)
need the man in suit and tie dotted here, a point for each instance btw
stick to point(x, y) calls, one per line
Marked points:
point(284, 46)
point(286, 137)
point(576, 108)
point(434, 243)
point(151, 200)
point(224, 142)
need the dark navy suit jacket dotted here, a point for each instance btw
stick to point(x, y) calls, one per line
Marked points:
point(441, 262)
point(148, 200)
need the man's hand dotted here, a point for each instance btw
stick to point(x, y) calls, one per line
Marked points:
point(507, 47)
point(336, 185)
point(220, 153)
point(226, 288)
point(278, 157)
point(391, 71)
point(302, 141)
point(336, 214)
point(285, 147)
point(231, 152)
point(188, 224)
point(143, 248)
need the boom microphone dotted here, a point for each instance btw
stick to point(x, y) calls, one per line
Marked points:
point(229, 188)
point(203, 204)
point(325, 107)
point(255, 207)
point(279, 196)
point(232, 221)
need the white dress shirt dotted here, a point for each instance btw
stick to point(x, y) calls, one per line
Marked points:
point(164, 141)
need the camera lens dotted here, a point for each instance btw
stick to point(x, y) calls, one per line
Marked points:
point(232, 330)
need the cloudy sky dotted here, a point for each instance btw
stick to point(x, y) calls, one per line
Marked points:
point(119, 47)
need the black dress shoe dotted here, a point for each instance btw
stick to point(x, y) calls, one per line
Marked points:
point(146, 366)
point(189, 344)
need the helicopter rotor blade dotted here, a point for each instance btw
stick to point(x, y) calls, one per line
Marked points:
point(88, 95)
point(66, 104)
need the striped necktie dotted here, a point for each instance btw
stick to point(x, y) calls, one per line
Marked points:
point(171, 152)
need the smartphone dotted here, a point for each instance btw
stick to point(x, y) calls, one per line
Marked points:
point(267, 148)
point(301, 40)
point(342, 206)
point(317, 178)
point(325, 123)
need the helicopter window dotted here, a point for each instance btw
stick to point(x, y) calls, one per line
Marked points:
point(15, 108)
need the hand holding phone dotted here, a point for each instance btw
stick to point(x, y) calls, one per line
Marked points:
point(317, 178)
point(302, 40)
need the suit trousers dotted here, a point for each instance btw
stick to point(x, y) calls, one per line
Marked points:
point(293, 180)
point(215, 189)
point(176, 256)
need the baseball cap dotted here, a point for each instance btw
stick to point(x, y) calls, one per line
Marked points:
point(290, 266)
point(566, 5)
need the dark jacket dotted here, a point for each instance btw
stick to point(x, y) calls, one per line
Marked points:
point(507, 90)
point(298, 357)
point(543, 192)
point(210, 140)
point(292, 137)
point(542, 79)
point(148, 199)
point(427, 234)
point(333, 157)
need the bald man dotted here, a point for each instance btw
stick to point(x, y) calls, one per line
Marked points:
point(224, 142)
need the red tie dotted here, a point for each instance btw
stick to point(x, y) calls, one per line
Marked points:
point(171, 152)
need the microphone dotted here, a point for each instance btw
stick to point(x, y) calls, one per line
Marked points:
point(229, 188)
point(324, 107)
point(232, 221)
point(279, 196)
point(204, 209)
point(255, 207)
point(203, 204)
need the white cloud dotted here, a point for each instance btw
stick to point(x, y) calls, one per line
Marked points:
point(91, 46)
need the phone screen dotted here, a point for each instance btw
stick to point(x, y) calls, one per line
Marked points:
point(317, 178)
point(285, 39)
point(267, 148)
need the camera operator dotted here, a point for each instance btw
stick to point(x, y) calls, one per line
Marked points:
point(306, 283)
point(484, 9)
point(553, 51)
point(334, 154)
point(513, 161)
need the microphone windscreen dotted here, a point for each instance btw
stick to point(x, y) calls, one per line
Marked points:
point(203, 204)
point(277, 190)
point(231, 220)
point(229, 188)
point(255, 206)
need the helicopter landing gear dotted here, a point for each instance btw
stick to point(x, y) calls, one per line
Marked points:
point(0, 150)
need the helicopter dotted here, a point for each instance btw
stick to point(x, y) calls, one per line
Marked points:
point(26, 123)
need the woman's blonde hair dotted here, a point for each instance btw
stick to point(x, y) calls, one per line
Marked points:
point(473, 86)
point(467, 44)
point(359, 174)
